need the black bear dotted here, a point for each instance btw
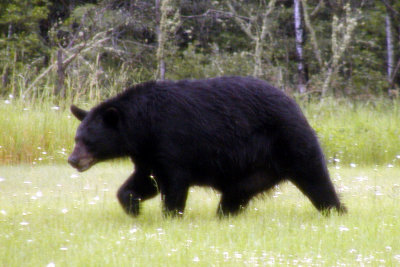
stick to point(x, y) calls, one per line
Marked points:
point(238, 135)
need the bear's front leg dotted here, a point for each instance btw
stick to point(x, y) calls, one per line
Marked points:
point(139, 186)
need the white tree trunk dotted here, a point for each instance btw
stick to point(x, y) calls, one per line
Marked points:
point(389, 48)
point(160, 42)
point(299, 46)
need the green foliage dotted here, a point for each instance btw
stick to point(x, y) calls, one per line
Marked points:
point(204, 36)
point(193, 63)
point(23, 13)
point(19, 31)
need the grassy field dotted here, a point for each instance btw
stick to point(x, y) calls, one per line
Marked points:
point(52, 216)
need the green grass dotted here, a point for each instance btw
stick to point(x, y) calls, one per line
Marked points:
point(350, 132)
point(363, 133)
point(52, 216)
point(35, 133)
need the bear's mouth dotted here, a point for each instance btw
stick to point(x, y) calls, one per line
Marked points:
point(85, 164)
point(81, 159)
point(82, 163)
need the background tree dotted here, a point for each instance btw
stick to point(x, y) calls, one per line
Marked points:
point(19, 42)
point(299, 46)
point(392, 67)
point(342, 34)
point(167, 21)
point(255, 26)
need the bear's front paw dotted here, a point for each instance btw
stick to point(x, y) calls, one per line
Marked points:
point(129, 203)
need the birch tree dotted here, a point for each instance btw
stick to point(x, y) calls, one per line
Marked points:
point(160, 42)
point(165, 26)
point(389, 47)
point(299, 47)
point(250, 27)
point(392, 67)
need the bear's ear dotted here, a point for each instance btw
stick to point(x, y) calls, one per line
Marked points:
point(111, 117)
point(80, 114)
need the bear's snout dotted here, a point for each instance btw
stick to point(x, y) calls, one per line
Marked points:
point(73, 161)
point(80, 158)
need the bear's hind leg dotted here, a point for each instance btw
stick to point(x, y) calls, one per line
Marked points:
point(139, 186)
point(317, 186)
point(235, 198)
point(232, 203)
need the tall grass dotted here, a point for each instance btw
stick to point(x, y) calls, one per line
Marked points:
point(350, 132)
point(34, 133)
point(354, 132)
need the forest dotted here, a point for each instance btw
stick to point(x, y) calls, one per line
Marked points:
point(93, 48)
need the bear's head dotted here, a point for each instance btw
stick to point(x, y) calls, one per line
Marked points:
point(97, 138)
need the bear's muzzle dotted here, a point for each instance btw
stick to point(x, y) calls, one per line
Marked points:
point(80, 158)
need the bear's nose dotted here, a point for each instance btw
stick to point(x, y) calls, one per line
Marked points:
point(73, 161)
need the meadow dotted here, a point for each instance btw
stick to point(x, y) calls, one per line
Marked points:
point(50, 215)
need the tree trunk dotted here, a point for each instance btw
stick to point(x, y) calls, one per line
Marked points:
point(60, 74)
point(299, 47)
point(389, 48)
point(257, 72)
point(160, 41)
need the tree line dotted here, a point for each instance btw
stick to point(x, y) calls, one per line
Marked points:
point(312, 47)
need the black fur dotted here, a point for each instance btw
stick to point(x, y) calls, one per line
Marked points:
point(238, 135)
